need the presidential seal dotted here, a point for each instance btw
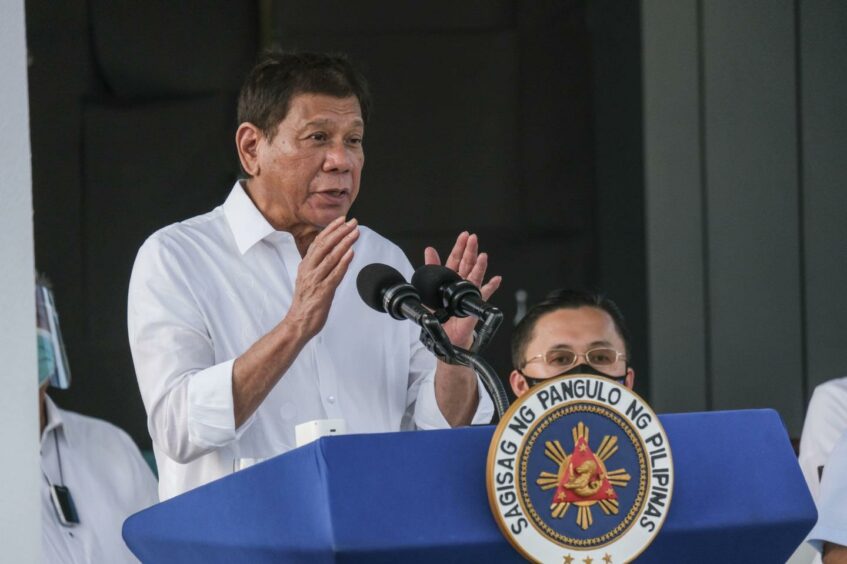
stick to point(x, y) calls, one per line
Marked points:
point(579, 472)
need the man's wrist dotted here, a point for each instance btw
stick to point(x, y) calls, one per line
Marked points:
point(294, 332)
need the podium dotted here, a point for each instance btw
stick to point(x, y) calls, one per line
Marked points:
point(739, 496)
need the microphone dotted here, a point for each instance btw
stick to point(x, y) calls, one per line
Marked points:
point(442, 288)
point(384, 289)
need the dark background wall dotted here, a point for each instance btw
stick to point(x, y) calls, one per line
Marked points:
point(746, 176)
point(519, 121)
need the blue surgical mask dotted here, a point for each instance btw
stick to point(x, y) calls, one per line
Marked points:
point(46, 358)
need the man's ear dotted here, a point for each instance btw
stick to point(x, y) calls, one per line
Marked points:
point(247, 139)
point(518, 382)
point(630, 378)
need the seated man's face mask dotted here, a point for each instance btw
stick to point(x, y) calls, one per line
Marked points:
point(52, 360)
point(583, 368)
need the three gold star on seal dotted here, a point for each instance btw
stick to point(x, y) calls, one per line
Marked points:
point(588, 560)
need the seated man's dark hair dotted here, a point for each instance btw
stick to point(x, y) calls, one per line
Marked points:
point(563, 299)
point(279, 76)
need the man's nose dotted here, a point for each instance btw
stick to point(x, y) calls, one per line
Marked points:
point(339, 158)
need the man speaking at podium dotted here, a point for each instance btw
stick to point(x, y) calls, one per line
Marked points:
point(245, 321)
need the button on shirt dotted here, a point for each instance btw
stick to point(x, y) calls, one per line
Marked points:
point(204, 290)
point(107, 478)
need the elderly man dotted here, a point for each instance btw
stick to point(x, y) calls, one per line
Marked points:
point(570, 332)
point(245, 321)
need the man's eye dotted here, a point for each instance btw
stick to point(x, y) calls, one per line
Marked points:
point(602, 357)
point(355, 140)
point(318, 136)
point(559, 358)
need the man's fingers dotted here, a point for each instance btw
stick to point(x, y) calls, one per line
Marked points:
point(477, 272)
point(431, 256)
point(339, 270)
point(331, 259)
point(468, 261)
point(328, 238)
point(488, 289)
point(458, 250)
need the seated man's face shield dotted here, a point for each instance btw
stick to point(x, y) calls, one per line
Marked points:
point(52, 360)
point(561, 362)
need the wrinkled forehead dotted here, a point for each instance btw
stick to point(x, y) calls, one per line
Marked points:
point(310, 107)
point(579, 328)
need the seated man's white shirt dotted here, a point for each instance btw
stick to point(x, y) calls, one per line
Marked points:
point(204, 290)
point(826, 421)
point(832, 500)
point(108, 480)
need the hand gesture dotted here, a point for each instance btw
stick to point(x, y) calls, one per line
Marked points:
point(319, 274)
point(471, 265)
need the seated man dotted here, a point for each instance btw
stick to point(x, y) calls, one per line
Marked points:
point(93, 475)
point(570, 332)
point(829, 536)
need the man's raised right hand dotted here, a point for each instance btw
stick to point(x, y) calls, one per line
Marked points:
point(319, 274)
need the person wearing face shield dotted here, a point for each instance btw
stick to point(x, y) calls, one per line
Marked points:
point(93, 476)
point(570, 332)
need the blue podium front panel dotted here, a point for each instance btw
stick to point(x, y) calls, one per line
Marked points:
point(421, 497)
point(739, 496)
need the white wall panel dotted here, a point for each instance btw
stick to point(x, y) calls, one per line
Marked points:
point(20, 520)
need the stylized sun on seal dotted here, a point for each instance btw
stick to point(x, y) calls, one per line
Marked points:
point(580, 470)
point(582, 478)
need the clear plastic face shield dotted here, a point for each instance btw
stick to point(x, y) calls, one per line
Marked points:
point(52, 359)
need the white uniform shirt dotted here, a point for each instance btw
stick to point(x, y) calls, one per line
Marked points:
point(826, 421)
point(107, 478)
point(204, 290)
point(832, 500)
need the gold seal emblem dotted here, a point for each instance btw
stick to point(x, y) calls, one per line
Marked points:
point(582, 479)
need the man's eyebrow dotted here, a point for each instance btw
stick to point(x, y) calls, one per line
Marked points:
point(600, 343)
point(358, 122)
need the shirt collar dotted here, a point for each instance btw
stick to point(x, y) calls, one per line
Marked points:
point(247, 223)
point(54, 420)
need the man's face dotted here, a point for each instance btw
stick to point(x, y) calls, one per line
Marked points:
point(579, 330)
point(309, 173)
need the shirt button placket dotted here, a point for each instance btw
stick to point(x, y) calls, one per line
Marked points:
point(327, 382)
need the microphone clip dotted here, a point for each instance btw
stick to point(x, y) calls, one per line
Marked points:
point(436, 341)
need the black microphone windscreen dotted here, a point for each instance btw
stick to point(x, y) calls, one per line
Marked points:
point(428, 281)
point(373, 280)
